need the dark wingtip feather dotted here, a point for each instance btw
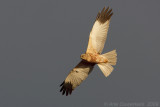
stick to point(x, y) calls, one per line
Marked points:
point(66, 88)
point(62, 83)
point(104, 15)
point(61, 89)
point(66, 92)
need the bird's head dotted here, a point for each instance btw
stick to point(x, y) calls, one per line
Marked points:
point(83, 56)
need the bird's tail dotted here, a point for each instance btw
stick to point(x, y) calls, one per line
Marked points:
point(106, 68)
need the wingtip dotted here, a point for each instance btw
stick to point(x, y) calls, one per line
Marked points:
point(61, 83)
point(66, 88)
point(104, 15)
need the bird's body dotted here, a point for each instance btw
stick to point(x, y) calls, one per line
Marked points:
point(93, 54)
point(93, 58)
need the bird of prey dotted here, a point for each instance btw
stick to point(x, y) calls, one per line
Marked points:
point(93, 54)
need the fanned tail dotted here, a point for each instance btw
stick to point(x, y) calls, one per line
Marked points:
point(106, 68)
point(111, 57)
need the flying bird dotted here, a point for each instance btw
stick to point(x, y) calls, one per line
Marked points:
point(93, 54)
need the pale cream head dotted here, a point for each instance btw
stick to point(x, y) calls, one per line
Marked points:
point(83, 56)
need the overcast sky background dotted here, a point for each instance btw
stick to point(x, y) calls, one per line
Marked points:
point(42, 40)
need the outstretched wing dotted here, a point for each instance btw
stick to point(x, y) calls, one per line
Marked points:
point(99, 31)
point(76, 76)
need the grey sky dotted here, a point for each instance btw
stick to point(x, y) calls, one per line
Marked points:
point(41, 41)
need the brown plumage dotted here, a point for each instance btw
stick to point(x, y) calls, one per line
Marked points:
point(104, 15)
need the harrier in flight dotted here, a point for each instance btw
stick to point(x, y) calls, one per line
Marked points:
point(93, 54)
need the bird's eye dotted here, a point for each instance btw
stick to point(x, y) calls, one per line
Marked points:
point(76, 71)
